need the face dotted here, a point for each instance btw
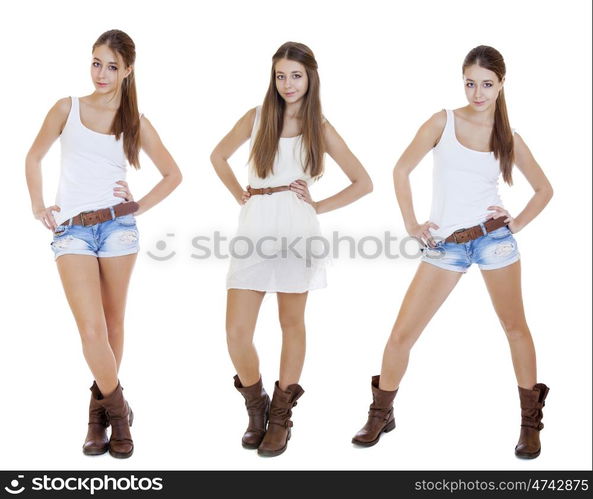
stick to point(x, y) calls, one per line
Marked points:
point(291, 80)
point(108, 70)
point(482, 87)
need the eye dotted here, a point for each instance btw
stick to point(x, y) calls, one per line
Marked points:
point(487, 85)
point(279, 77)
point(469, 84)
point(296, 76)
point(95, 64)
point(112, 68)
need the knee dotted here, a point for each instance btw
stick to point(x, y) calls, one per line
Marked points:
point(516, 330)
point(92, 334)
point(292, 324)
point(400, 340)
point(115, 329)
point(237, 334)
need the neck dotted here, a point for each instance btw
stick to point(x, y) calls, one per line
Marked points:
point(292, 110)
point(111, 100)
point(482, 118)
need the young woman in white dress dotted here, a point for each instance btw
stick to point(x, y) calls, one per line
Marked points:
point(472, 146)
point(281, 251)
point(95, 238)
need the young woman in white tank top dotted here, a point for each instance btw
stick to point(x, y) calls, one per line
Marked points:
point(288, 139)
point(95, 235)
point(472, 146)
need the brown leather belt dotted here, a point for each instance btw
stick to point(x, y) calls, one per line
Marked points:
point(87, 218)
point(465, 235)
point(267, 190)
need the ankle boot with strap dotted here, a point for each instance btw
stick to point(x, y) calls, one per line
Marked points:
point(96, 441)
point(380, 419)
point(257, 403)
point(120, 417)
point(278, 433)
point(532, 403)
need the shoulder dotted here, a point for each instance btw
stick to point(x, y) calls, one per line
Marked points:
point(518, 142)
point(62, 107)
point(437, 121)
point(329, 132)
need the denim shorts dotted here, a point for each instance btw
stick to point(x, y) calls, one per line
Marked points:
point(491, 251)
point(115, 237)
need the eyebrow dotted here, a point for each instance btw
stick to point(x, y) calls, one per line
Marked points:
point(110, 62)
point(282, 72)
point(469, 79)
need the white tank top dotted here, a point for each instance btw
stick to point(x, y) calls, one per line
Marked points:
point(465, 183)
point(92, 163)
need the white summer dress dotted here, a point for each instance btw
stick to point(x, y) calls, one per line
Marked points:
point(278, 245)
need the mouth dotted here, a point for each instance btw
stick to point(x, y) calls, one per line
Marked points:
point(289, 94)
point(479, 103)
point(102, 84)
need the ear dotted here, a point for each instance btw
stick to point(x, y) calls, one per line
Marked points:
point(128, 71)
point(502, 82)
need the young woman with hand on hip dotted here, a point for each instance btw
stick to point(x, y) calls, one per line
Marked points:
point(278, 223)
point(95, 238)
point(472, 146)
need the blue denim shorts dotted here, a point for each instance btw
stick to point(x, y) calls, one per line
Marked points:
point(491, 251)
point(115, 237)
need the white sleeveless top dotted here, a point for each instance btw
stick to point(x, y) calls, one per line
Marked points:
point(91, 164)
point(281, 224)
point(465, 183)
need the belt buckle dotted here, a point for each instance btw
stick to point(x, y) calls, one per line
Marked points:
point(82, 219)
point(455, 235)
point(269, 189)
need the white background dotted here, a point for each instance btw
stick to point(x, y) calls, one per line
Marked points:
point(385, 67)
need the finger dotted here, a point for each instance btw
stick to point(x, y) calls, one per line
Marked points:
point(494, 207)
point(433, 225)
point(122, 182)
point(45, 223)
point(55, 207)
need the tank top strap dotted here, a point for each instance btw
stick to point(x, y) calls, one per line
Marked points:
point(74, 116)
point(449, 130)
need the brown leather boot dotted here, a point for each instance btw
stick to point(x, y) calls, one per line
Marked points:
point(257, 403)
point(121, 417)
point(96, 441)
point(380, 419)
point(532, 402)
point(278, 434)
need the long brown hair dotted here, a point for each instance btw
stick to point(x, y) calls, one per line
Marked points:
point(501, 138)
point(127, 119)
point(265, 145)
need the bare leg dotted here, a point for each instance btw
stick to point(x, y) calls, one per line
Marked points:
point(82, 285)
point(504, 286)
point(291, 310)
point(115, 277)
point(241, 316)
point(427, 292)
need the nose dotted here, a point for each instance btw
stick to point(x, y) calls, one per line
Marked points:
point(288, 83)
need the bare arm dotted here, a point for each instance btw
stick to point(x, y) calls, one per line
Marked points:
point(50, 130)
point(162, 159)
point(361, 182)
point(426, 138)
point(225, 149)
point(537, 179)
